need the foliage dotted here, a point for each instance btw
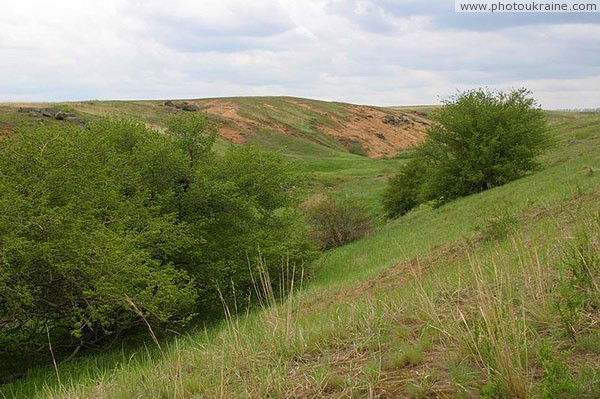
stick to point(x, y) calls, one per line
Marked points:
point(402, 191)
point(557, 381)
point(113, 225)
point(335, 222)
point(194, 132)
point(80, 232)
point(579, 292)
point(360, 293)
point(480, 139)
point(357, 149)
point(242, 204)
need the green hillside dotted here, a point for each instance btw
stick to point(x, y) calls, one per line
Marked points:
point(492, 295)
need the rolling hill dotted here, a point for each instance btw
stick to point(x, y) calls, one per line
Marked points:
point(373, 131)
point(490, 295)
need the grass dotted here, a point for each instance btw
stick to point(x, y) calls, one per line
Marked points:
point(427, 305)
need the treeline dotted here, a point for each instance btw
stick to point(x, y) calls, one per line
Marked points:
point(109, 226)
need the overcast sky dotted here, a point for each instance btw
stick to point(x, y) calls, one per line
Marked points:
point(383, 52)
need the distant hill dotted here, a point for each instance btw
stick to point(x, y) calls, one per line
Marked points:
point(365, 130)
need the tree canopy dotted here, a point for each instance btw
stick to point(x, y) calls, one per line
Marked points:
point(480, 139)
point(106, 225)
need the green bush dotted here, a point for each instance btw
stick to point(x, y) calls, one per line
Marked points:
point(242, 205)
point(110, 226)
point(335, 222)
point(80, 235)
point(557, 380)
point(402, 193)
point(480, 139)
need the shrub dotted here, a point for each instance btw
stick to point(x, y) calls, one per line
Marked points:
point(499, 226)
point(357, 149)
point(106, 227)
point(242, 204)
point(402, 192)
point(335, 222)
point(82, 237)
point(557, 380)
point(480, 139)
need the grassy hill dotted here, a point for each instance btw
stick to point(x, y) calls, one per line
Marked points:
point(286, 123)
point(492, 295)
point(347, 148)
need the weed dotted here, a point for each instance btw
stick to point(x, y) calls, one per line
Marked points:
point(581, 290)
point(357, 149)
point(557, 381)
point(589, 342)
point(498, 227)
point(404, 355)
point(422, 388)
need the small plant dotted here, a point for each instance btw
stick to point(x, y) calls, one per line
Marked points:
point(463, 375)
point(404, 355)
point(499, 227)
point(580, 291)
point(357, 149)
point(557, 381)
point(422, 388)
point(589, 343)
point(328, 380)
point(335, 222)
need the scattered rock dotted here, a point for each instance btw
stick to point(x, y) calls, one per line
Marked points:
point(49, 112)
point(182, 105)
point(26, 110)
point(397, 120)
point(76, 120)
point(189, 107)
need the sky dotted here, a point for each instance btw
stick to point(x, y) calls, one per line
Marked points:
point(379, 52)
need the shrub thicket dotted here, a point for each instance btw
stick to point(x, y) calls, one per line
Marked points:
point(480, 139)
point(105, 225)
point(335, 222)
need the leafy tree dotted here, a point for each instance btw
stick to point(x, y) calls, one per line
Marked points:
point(195, 134)
point(242, 204)
point(107, 227)
point(402, 193)
point(480, 139)
point(81, 239)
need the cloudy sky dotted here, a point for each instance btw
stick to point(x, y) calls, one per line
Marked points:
point(384, 52)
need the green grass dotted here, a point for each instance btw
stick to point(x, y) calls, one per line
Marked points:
point(454, 313)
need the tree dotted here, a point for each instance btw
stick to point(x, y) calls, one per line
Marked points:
point(81, 238)
point(402, 193)
point(106, 227)
point(195, 134)
point(480, 139)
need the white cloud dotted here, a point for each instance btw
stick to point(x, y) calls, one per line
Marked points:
point(376, 51)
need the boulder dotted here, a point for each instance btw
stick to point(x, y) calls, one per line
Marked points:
point(61, 115)
point(49, 112)
point(184, 105)
point(190, 107)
